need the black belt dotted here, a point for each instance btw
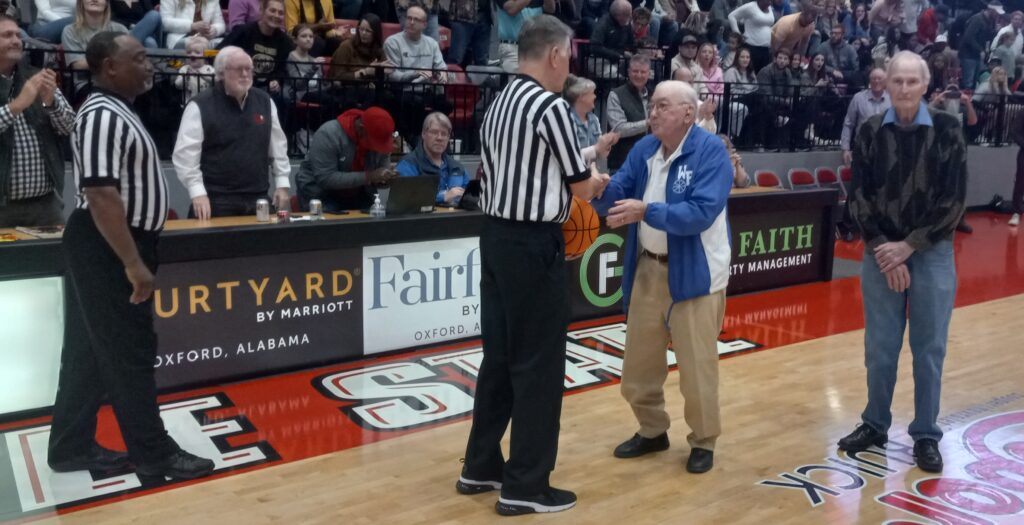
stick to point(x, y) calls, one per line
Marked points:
point(660, 257)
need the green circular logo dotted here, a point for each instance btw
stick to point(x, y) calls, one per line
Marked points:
point(602, 272)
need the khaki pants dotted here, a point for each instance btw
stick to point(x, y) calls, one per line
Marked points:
point(693, 327)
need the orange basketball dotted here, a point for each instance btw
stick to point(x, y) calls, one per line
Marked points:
point(581, 229)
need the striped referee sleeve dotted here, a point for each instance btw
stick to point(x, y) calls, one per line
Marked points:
point(557, 129)
point(99, 137)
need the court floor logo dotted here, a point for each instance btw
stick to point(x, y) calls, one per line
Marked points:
point(39, 488)
point(988, 491)
point(422, 391)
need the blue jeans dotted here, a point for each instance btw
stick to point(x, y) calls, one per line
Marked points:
point(475, 38)
point(928, 305)
point(50, 31)
point(970, 69)
point(149, 30)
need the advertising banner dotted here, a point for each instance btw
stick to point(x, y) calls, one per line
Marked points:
point(420, 293)
point(225, 318)
point(775, 249)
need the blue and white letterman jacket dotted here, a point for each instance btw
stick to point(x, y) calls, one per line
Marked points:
point(693, 214)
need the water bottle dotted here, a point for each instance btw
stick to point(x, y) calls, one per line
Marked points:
point(377, 210)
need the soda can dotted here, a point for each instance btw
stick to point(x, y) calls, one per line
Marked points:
point(316, 209)
point(263, 210)
point(282, 215)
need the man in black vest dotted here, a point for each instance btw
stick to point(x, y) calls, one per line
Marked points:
point(627, 110)
point(230, 137)
point(33, 118)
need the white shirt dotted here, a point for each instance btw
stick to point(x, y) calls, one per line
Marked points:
point(1018, 43)
point(652, 239)
point(757, 25)
point(188, 150)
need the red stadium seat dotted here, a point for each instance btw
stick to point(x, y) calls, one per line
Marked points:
point(800, 178)
point(444, 38)
point(387, 29)
point(171, 214)
point(463, 95)
point(767, 179)
point(845, 173)
point(828, 179)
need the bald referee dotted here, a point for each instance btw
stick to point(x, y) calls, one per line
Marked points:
point(110, 248)
point(532, 167)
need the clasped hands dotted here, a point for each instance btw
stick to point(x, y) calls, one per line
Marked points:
point(891, 258)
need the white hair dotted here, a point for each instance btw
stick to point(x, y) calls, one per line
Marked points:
point(909, 56)
point(220, 62)
point(684, 92)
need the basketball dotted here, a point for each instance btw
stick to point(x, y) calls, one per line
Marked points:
point(581, 228)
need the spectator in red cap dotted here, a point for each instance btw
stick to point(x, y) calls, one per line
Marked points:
point(347, 160)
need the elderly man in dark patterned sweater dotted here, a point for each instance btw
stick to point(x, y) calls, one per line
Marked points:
point(909, 175)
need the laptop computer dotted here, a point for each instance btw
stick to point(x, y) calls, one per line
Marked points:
point(412, 195)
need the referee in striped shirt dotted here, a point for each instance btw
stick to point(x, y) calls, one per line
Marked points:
point(532, 167)
point(110, 248)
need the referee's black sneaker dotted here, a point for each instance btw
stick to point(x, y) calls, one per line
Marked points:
point(469, 487)
point(551, 500)
point(638, 445)
point(862, 438)
point(97, 458)
point(180, 466)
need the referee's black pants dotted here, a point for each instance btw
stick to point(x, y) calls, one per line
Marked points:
point(109, 349)
point(524, 314)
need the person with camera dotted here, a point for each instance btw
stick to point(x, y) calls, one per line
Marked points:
point(958, 103)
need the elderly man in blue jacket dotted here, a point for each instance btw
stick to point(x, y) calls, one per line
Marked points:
point(672, 192)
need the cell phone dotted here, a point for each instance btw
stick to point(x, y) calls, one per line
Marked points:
point(952, 94)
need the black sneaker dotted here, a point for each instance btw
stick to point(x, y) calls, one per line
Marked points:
point(180, 466)
point(926, 452)
point(551, 500)
point(638, 445)
point(470, 487)
point(862, 438)
point(97, 458)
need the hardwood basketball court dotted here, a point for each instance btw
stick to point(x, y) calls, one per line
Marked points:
point(793, 387)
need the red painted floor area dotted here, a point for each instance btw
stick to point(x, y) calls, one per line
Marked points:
point(299, 415)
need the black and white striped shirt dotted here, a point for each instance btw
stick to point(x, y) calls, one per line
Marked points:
point(530, 154)
point(112, 148)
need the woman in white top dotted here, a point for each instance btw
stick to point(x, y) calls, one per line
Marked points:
point(178, 16)
point(757, 19)
point(52, 16)
point(742, 81)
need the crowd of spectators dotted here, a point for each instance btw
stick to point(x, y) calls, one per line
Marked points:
point(771, 73)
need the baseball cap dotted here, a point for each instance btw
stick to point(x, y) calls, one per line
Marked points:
point(997, 7)
point(379, 127)
point(688, 39)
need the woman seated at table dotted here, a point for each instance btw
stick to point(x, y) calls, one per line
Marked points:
point(431, 158)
